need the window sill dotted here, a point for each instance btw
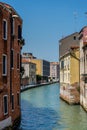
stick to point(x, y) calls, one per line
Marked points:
point(4, 75)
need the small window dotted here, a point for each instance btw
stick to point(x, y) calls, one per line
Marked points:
point(62, 64)
point(12, 102)
point(19, 32)
point(18, 99)
point(4, 66)
point(5, 104)
point(86, 56)
point(12, 55)
point(85, 79)
point(74, 37)
point(12, 26)
point(4, 29)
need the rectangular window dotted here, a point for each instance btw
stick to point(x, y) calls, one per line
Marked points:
point(5, 98)
point(4, 66)
point(85, 79)
point(18, 99)
point(12, 55)
point(4, 29)
point(12, 26)
point(18, 61)
point(85, 92)
point(19, 32)
point(12, 102)
point(62, 64)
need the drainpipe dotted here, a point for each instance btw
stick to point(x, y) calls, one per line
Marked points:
point(11, 39)
point(84, 69)
point(10, 58)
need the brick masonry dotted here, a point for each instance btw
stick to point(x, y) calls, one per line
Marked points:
point(9, 84)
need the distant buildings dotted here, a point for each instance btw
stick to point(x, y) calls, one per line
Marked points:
point(28, 56)
point(45, 70)
point(54, 71)
point(29, 76)
point(10, 45)
point(69, 68)
point(42, 68)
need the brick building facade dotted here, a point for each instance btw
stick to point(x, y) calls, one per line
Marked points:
point(10, 37)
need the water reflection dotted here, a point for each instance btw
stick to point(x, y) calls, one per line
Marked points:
point(74, 117)
point(42, 109)
point(34, 118)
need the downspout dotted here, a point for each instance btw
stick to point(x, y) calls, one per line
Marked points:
point(10, 58)
point(84, 71)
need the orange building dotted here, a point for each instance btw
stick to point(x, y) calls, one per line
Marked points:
point(10, 39)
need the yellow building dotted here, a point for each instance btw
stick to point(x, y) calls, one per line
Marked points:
point(42, 68)
point(69, 69)
point(39, 68)
point(74, 66)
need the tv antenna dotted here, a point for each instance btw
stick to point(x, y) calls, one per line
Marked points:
point(86, 14)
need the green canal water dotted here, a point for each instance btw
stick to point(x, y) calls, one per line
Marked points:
point(42, 109)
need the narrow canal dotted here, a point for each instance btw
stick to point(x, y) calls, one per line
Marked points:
point(42, 109)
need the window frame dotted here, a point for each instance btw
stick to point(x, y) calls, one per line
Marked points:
point(5, 113)
point(18, 98)
point(13, 27)
point(4, 29)
point(19, 32)
point(4, 74)
point(85, 80)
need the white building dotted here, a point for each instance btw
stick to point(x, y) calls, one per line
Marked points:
point(29, 71)
point(83, 67)
point(54, 71)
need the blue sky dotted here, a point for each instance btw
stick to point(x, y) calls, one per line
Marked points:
point(45, 22)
